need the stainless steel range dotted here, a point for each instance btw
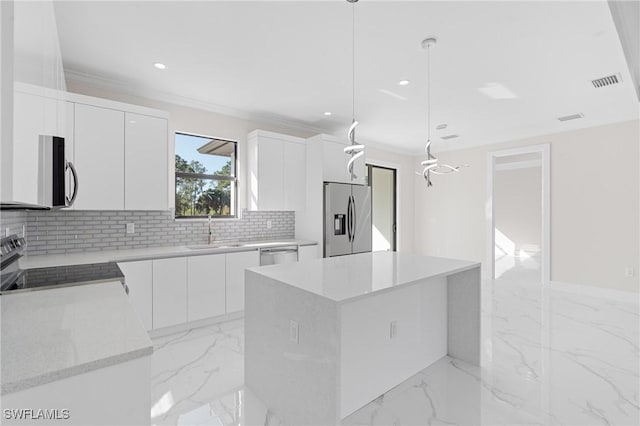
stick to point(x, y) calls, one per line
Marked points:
point(14, 279)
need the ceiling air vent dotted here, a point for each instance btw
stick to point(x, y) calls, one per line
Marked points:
point(606, 81)
point(449, 137)
point(571, 117)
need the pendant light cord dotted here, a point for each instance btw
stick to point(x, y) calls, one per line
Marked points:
point(353, 61)
point(429, 99)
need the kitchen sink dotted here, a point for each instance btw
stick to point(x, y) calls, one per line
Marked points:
point(214, 246)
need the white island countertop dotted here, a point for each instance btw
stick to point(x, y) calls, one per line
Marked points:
point(348, 278)
point(48, 335)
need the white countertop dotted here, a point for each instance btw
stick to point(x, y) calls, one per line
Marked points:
point(49, 335)
point(347, 278)
point(127, 255)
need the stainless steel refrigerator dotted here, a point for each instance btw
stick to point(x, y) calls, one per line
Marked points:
point(347, 219)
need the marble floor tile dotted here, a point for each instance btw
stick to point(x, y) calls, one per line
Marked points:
point(548, 358)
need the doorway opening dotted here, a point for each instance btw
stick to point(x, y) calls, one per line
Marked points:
point(382, 181)
point(518, 218)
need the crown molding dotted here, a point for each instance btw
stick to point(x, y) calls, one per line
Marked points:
point(105, 83)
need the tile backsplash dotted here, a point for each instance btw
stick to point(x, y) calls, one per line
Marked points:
point(58, 232)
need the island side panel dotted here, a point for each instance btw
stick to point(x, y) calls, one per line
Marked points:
point(375, 358)
point(297, 381)
point(463, 294)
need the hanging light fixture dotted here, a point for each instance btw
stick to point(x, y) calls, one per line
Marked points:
point(355, 150)
point(431, 165)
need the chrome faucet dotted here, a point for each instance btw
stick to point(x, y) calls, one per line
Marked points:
point(210, 233)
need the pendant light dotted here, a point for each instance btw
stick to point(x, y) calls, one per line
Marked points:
point(430, 164)
point(355, 150)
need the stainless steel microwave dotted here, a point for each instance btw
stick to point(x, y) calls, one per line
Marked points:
point(55, 188)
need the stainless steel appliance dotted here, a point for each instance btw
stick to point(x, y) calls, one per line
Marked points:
point(52, 174)
point(14, 279)
point(347, 219)
point(55, 188)
point(278, 255)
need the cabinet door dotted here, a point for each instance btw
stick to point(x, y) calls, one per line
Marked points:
point(145, 163)
point(205, 286)
point(33, 116)
point(308, 253)
point(99, 155)
point(295, 176)
point(139, 278)
point(236, 263)
point(169, 292)
point(270, 174)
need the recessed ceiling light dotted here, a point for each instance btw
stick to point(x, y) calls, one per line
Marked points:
point(327, 113)
point(497, 91)
point(403, 82)
point(160, 66)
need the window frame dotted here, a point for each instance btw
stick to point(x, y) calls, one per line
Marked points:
point(213, 178)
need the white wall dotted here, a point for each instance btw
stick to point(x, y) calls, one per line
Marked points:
point(595, 188)
point(196, 121)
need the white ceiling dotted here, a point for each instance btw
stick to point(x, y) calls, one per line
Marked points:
point(291, 61)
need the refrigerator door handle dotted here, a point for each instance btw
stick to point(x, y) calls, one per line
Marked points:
point(349, 218)
point(353, 218)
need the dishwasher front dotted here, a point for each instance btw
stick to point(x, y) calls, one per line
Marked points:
point(279, 255)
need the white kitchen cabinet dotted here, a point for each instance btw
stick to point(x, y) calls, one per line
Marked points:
point(334, 160)
point(169, 292)
point(36, 112)
point(294, 184)
point(308, 253)
point(236, 263)
point(139, 278)
point(145, 162)
point(205, 286)
point(276, 171)
point(99, 157)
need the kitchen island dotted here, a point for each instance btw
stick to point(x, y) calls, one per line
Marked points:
point(327, 336)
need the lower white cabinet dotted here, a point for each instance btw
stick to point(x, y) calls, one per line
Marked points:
point(139, 278)
point(236, 263)
point(205, 286)
point(169, 292)
point(308, 252)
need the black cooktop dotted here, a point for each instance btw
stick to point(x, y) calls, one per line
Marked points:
point(58, 276)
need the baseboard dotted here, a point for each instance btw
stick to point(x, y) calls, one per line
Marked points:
point(599, 292)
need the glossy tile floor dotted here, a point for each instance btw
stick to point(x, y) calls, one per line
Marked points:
point(549, 357)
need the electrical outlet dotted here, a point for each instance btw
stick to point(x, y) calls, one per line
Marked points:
point(294, 332)
point(393, 330)
point(268, 224)
point(131, 228)
point(7, 232)
point(628, 272)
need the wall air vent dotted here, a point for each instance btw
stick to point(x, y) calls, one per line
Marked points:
point(449, 137)
point(571, 117)
point(606, 81)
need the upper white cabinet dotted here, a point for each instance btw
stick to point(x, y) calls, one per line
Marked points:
point(145, 162)
point(99, 155)
point(236, 263)
point(36, 112)
point(205, 286)
point(333, 159)
point(277, 176)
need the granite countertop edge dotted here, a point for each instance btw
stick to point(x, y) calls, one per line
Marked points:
point(52, 376)
point(132, 255)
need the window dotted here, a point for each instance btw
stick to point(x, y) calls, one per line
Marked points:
point(206, 182)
